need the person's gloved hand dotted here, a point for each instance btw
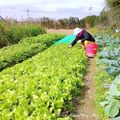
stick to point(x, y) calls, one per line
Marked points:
point(69, 46)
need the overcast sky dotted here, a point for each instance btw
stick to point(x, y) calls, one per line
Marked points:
point(50, 8)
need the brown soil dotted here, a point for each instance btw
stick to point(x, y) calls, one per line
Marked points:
point(64, 31)
point(84, 104)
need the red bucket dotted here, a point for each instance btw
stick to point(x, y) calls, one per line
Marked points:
point(91, 49)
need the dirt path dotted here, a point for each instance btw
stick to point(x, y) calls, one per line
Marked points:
point(85, 109)
point(64, 31)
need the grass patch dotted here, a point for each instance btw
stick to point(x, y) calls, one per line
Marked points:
point(102, 81)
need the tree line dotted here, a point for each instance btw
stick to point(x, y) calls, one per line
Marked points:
point(108, 18)
point(110, 15)
point(67, 23)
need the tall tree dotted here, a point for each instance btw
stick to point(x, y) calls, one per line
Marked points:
point(90, 21)
point(114, 14)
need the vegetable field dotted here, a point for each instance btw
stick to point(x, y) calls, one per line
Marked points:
point(109, 64)
point(39, 87)
point(57, 63)
point(40, 80)
point(26, 48)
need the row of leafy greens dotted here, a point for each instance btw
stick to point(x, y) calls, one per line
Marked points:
point(38, 88)
point(26, 48)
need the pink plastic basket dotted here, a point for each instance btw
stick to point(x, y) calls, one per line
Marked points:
point(91, 49)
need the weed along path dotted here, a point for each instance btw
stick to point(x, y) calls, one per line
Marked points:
point(84, 104)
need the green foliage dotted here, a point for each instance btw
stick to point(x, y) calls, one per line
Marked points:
point(69, 23)
point(105, 39)
point(90, 21)
point(110, 57)
point(94, 30)
point(13, 33)
point(26, 48)
point(102, 80)
point(16, 32)
point(117, 35)
point(39, 87)
point(3, 39)
point(113, 3)
point(117, 118)
point(114, 13)
point(112, 102)
point(103, 18)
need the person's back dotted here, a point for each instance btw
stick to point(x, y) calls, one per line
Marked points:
point(86, 39)
point(83, 36)
point(88, 36)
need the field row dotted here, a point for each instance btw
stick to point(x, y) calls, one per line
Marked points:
point(40, 87)
point(26, 48)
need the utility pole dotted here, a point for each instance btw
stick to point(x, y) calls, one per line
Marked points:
point(28, 11)
point(90, 9)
